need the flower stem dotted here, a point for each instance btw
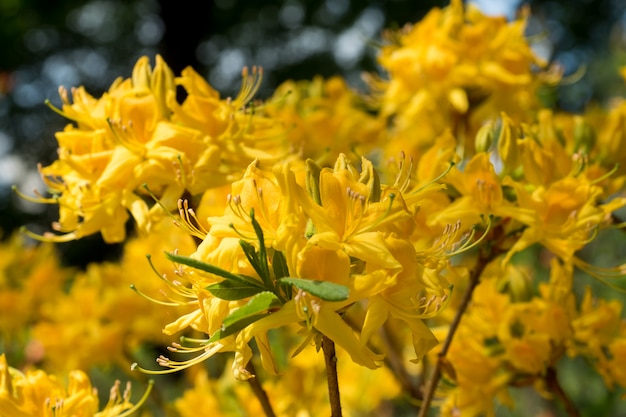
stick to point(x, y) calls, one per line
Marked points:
point(553, 385)
point(259, 392)
point(328, 346)
point(441, 357)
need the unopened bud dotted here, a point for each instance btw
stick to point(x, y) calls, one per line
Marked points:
point(518, 284)
point(313, 172)
point(484, 137)
point(162, 84)
point(584, 136)
point(507, 145)
point(142, 73)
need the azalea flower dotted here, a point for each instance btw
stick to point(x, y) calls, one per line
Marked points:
point(36, 393)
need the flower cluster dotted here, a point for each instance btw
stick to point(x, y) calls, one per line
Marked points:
point(345, 236)
point(385, 223)
point(137, 135)
point(36, 393)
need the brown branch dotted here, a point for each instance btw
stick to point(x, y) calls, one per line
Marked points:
point(553, 385)
point(441, 357)
point(259, 392)
point(328, 346)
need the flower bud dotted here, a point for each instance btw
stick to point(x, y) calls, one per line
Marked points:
point(507, 145)
point(313, 172)
point(518, 284)
point(142, 73)
point(484, 137)
point(584, 136)
point(162, 83)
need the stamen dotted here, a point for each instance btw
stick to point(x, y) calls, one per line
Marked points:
point(51, 237)
point(163, 303)
point(432, 182)
point(187, 215)
point(249, 86)
point(40, 199)
point(175, 366)
point(125, 136)
point(467, 246)
point(139, 403)
point(605, 176)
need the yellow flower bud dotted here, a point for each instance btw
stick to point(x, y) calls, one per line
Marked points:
point(584, 135)
point(484, 137)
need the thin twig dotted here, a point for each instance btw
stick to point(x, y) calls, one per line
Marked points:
point(441, 357)
point(553, 385)
point(259, 392)
point(328, 346)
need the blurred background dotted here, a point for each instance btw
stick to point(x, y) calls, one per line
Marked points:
point(68, 42)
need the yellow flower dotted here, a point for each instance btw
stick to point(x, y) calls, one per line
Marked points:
point(323, 119)
point(481, 195)
point(136, 135)
point(38, 394)
point(350, 215)
point(114, 321)
point(29, 276)
point(455, 69)
point(561, 217)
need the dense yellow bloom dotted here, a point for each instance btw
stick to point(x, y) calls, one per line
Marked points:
point(316, 218)
point(37, 394)
point(456, 69)
point(503, 342)
point(114, 320)
point(323, 119)
point(138, 134)
point(29, 275)
point(342, 227)
point(561, 217)
point(231, 135)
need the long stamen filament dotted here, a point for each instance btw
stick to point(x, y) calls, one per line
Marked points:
point(141, 401)
point(465, 248)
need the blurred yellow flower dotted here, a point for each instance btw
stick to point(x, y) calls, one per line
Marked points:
point(38, 394)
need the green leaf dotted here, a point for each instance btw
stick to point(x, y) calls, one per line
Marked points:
point(279, 263)
point(212, 269)
point(257, 304)
point(253, 258)
point(235, 327)
point(232, 291)
point(327, 291)
point(262, 252)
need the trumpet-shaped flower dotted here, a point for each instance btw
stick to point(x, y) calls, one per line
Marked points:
point(456, 69)
point(323, 118)
point(137, 135)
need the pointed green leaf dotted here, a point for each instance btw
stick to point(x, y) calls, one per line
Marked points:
point(212, 269)
point(262, 251)
point(281, 270)
point(279, 264)
point(258, 304)
point(253, 257)
point(233, 291)
point(327, 291)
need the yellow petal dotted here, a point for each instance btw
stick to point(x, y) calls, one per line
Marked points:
point(331, 325)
